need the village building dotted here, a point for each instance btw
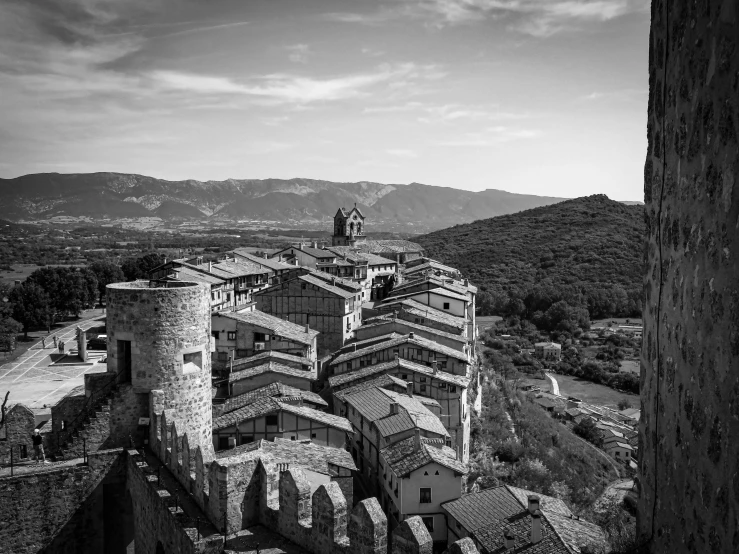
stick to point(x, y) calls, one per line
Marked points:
point(506, 518)
point(278, 271)
point(548, 351)
point(417, 312)
point(423, 267)
point(327, 304)
point(446, 389)
point(241, 381)
point(389, 323)
point(419, 474)
point(232, 283)
point(269, 417)
point(276, 390)
point(381, 417)
point(244, 334)
point(409, 347)
point(348, 227)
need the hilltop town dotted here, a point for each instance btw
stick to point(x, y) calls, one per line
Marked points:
point(320, 397)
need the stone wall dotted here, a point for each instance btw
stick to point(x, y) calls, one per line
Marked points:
point(16, 433)
point(57, 508)
point(169, 332)
point(689, 452)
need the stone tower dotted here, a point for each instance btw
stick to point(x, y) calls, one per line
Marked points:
point(348, 227)
point(689, 429)
point(159, 340)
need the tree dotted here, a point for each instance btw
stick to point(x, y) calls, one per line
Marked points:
point(586, 429)
point(106, 273)
point(139, 268)
point(30, 306)
point(70, 289)
point(624, 404)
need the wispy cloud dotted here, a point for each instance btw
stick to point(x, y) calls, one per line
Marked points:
point(540, 18)
point(493, 136)
point(620, 94)
point(449, 113)
point(298, 53)
point(286, 88)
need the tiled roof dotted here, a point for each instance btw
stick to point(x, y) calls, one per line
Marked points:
point(435, 281)
point(281, 327)
point(262, 357)
point(270, 367)
point(386, 319)
point(297, 453)
point(326, 286)
point(439, 291)
point(271, 390)
point(489, 513)
point(185, 273)
point(406, 339)
point(389, 246)
point(266, 262)
point(348, 251)
point(403, 457)
point(314, 252)
point(431, 264)
point(382, 381)
point(347, 284)
point(367, 342)
point(374, 405)
point(240, 268)
point(400, 363)
point(419, 309)
point(322, 417)
point(269, 405)
point(548, 345)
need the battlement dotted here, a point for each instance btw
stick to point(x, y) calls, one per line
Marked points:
point(248, 489)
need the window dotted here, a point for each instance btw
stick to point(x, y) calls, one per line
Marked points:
point(272, 419)
point(425, 495)
point(437, 472)
point(304, 286)
point(216, 334)
point(423, 388)
point(446, 305)
point(259, 337)
point(429, 523)
point(192, 361)
point(452, 388)
point(246, 439)
point(23, 450)
point(232, 335)
point(423, 379)
point(222, 443)
point(404, 376)
point(313, 435)
point(442, 385)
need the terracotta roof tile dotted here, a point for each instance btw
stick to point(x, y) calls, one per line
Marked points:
point(281, 327)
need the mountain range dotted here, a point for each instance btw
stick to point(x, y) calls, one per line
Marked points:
point(413, 208)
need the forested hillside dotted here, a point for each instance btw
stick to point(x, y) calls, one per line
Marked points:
point(587, 251)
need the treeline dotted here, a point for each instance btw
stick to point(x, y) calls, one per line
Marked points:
point(50, 294)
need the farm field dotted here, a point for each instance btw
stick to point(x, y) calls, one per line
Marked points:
point(20, 272)
point(632, 366)
point(588, 391)
point(612, 321)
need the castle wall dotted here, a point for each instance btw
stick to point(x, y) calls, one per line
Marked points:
point(689, 452)
point(58, 510)
point(169, 332)
point(17, 431)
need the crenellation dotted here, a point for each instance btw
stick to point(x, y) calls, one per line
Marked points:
point(412, 537)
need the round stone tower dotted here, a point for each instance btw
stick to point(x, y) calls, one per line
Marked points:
point(159, 339)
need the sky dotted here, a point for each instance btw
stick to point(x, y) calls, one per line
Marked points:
point(545, 97)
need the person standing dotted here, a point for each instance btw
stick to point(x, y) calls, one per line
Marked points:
point(38, 446)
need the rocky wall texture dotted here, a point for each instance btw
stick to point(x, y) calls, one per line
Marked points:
point(689, 452)
point(169, 333)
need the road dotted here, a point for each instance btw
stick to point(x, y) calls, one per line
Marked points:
point(555, 385)
point(616, 491)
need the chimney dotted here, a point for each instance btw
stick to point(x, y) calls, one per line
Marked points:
point(397, 356)
point(466, 282)
point(354, 347)
point(300, 246)
point(411, 335)
point(307, 328)
point(314, 244)
point(393, 408)
point(409, 388)
point(210, 266)
point(417, 440)
point(509, 539)
point(536, 527)
point(533, 503)
point(264, 255)
point(435, 366)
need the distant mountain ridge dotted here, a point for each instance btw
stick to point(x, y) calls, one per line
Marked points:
point(411, 208)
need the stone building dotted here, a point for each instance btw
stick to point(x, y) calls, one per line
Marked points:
point(689, 425)
point(348, 227)
point(15, 434)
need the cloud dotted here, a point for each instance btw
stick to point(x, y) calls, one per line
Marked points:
point(622, 94)
point(539, 18)
point(449, 113)
point(402, 153)
point(493, 136)
point(287, 88)
point(298, 53)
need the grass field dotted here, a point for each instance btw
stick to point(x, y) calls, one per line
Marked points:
point(632, 366)
point(20, 272)
point(485, 321)
point(600, 323)
point(588, 391)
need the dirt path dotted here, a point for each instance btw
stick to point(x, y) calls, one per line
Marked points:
point(555, 385)
point(616, 491)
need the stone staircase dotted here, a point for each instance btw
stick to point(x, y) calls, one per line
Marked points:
point(93, 431)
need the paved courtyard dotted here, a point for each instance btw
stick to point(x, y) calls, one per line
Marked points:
point(33, 380)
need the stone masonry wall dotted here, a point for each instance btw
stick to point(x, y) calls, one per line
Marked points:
point(19, 425)
point(689, 452)
point(164, 324)
point(45, 507)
